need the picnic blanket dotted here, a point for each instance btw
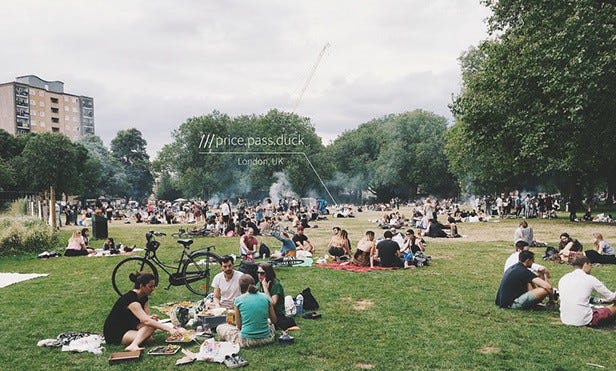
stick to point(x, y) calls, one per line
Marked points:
point(210, 351)
point(101, 252)
point(351, 267)
point(76, 342)
point(7, 279)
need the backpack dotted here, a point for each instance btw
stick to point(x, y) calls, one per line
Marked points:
point(264, 251)
point(310, 303)
point(249, 267)
point(420, 259)
point(550, 253)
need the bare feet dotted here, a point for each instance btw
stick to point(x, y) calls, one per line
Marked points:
point(133, 348)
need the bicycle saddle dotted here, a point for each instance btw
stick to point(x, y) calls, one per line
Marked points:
point(185, 243)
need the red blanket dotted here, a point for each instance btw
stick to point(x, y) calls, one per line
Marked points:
point(351, 267)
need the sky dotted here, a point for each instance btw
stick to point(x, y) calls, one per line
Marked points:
point(152, 64)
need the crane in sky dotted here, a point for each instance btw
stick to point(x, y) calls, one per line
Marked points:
point(310, 76)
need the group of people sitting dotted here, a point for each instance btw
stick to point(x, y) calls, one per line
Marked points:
point(79, 245)
point(392, 250)
point(526, 284)
point(259, 309)
point(250, 248)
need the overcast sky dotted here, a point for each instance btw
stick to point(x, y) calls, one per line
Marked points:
point(151, 64)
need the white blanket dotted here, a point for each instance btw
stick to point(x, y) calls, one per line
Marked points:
point(7, 279)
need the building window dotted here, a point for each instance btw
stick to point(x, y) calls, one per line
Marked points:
point(75, 109)
point(32, 102)
point(33, 112)
point(55, 130)
point(54, 110)
point(65, 98)
point(42, 114)
point(32, 92)
point(54, 100)
point(42, 104)
point(55, 119)
point(33, 123)
point(41, 93)
point(66, 109)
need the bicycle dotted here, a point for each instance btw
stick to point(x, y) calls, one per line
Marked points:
point(195, 269)
point(183, 233)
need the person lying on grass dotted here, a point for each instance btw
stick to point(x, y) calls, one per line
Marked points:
point(520, 288)
point(575, 290)
point(129, 322)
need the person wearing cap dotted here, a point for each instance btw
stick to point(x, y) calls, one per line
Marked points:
point(575, 290)
point(520, 288)
point(301, 240)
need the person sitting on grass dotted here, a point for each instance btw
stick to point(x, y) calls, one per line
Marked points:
point(129, 322)
point(365, 249)
point(249, 245)
point(288, 247)
point(76, 246)
point(271, 286)
point(520, 288)
point(575, 290)
point(339, 245)
point(603, 253)
point(254, 317)
point(568, 246)
point(387, 252)
point(226, 284)
point(538, 269)
point(301, 240)
point(525, 233)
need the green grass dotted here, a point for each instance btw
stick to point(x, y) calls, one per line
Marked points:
point(439, 317)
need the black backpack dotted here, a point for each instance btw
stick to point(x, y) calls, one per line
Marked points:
point(249, 267)
point(310, 303)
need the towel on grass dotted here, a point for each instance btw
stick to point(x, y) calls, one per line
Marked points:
point(7, 279)
point(351, 267)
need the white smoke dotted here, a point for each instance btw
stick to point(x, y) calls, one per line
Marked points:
point(281, 189)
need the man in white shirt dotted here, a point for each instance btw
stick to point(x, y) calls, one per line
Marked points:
point(538, 269)
point(225, 210)
point(226, 284)
point(576, 289)
point(397, 237)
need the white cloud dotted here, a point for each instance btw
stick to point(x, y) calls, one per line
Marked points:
point(151, 64)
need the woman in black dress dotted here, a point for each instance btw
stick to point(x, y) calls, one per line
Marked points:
point(129, 322)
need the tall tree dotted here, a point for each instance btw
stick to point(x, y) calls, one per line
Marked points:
point(538, 99)
point(129, 147)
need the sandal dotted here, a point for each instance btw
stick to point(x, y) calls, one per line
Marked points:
point(239, 360)
point(231, 362)
point(312, 315)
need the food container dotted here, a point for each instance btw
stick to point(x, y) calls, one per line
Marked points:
point(212, 321)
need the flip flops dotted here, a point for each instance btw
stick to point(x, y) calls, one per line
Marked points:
point(312, 315)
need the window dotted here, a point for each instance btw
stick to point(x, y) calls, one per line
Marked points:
point(42, 114)
point(75, 109)
point(54, 100)
point(33, 112)
point(42, 104)
point(66, 109)
point(32, 92)
point(65, 98)
point(32, 102)
point(55, 119)
point(54, 110)
point(55, 130)
point(41, 94)
point(33, 123)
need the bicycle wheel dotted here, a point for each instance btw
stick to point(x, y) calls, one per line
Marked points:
point(120, 276)
point(285, 262)
point(199, 270)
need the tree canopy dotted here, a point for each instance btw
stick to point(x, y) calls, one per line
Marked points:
point(537, 104)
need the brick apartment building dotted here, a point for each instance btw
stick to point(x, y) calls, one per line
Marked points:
point(33, 105)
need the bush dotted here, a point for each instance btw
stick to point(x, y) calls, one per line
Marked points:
point(20, 235)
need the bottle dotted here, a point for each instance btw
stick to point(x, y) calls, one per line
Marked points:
point(299, 300)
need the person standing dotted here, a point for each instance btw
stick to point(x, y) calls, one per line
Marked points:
point(575, 290)
point(225, 210)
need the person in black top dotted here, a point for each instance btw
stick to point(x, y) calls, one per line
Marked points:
point(388, 252)
point(520, 288)
point(129, 322)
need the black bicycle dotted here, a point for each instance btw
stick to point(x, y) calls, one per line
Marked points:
point(188, 233)
point(195, 270)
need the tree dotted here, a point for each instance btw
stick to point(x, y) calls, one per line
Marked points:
point(51, 159)
point(112, 179)
point(536, 97)
point(129, 148)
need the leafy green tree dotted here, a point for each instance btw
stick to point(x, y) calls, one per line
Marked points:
point(538, 99)
point(51, 159)
point(129, 147)
point(111, 179)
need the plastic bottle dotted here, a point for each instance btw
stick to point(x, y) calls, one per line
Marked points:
point(299, 303)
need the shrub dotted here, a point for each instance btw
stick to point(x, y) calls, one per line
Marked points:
point(20, 235)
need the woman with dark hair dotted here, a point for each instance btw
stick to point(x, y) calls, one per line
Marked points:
point(129, 322)
point(253, 312)
point(567, 245)
point(271, 286)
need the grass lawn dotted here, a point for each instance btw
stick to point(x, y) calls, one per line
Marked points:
point(439, 317)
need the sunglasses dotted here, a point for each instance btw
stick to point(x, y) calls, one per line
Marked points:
point(260, 272)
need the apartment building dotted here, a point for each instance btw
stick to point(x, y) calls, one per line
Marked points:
point(33, 105)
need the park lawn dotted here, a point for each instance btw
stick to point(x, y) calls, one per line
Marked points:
point(439, 317)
